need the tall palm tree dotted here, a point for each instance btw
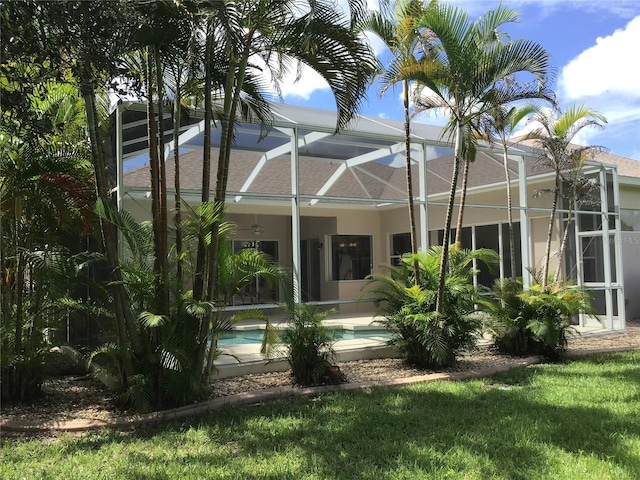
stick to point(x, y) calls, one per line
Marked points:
point(183, 80)
point(247, 38)
point(165, 26)
point(496, 126)
point(553, 136)
point(468, 75)
point(397, 27)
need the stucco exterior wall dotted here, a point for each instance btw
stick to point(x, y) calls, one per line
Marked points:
point(630, 196)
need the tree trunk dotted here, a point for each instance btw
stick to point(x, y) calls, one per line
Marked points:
point(552, 217)
point(463, 200)
point(177, 219)
point(127, 332)
point(154, 173)
point(410, 204)
point(444, 260)
point(18, 347)
point(563, 244)
point(512, 246)
point(162, 184)
point(200, 273)
point(232, 90)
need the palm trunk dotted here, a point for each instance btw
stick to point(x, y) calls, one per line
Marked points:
point(125, 323)
point(463, 200)
point(552, 217)
point(512, 246)
point(19, 274)
point(444, 260)
point(410, 205)
point(19, 348)
point(233, 87)
point(177, 219)
point(200, 273)
point(563, 244)
point(4, 290)
point(154, 173)
point(162, 193)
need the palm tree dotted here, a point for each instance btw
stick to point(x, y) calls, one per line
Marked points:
point(553, 136)
point(397, 28)
point(497, 125)
point(247, 38)
point(165, 26)
point(408, 308)
point(468, 75)
point(183, 80)
point(46, 204)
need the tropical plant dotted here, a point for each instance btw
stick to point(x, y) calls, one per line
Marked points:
point(183, 80)
point(537, 321)
point(410, 313)
point(46, 206)
point(507, 324)
point(553, 136)
point(307, 344)
point(467, 72)
point(167, 374)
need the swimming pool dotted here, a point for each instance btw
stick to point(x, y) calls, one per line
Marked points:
point(255, 336)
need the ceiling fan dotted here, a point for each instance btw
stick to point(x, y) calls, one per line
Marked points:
point(256, 228)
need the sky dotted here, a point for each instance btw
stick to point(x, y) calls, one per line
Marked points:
point(595, 52)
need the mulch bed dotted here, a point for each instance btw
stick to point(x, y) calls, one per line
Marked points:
point(74, 397)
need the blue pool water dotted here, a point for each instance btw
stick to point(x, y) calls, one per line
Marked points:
point(255, 336)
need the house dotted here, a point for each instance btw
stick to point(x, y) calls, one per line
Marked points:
point(332, 207)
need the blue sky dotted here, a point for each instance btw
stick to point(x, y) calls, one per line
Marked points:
point(595, 50)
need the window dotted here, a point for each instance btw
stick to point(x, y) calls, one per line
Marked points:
point(350, 257)
point(400, 244)
point(629, 220)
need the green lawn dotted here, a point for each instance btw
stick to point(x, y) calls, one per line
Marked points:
point(575, 421)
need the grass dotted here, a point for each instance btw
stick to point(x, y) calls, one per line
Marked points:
point(577, 420)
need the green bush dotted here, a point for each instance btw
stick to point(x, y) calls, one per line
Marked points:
point(308, 345)
point(535, 322)
point(428, 338)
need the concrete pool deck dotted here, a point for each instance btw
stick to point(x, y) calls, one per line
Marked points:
point(241, 359)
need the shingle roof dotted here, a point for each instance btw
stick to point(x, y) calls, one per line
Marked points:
point(369, 180)
point(627, 167)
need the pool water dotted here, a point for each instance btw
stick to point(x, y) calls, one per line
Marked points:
point(255, 336)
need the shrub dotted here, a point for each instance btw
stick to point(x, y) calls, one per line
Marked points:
point(308, 345)
point(428, 338)
point(534, 322)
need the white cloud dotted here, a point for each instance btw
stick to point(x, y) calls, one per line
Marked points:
point(309, 82)
point(605, 68)
point(605, 78)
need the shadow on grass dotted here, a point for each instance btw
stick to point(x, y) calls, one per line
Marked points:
point(521, 425)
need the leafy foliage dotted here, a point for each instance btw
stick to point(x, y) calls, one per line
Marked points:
point(308, 345)
point(534, 322)
point(469, 70)
point(553, 136)
point(429, 338)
